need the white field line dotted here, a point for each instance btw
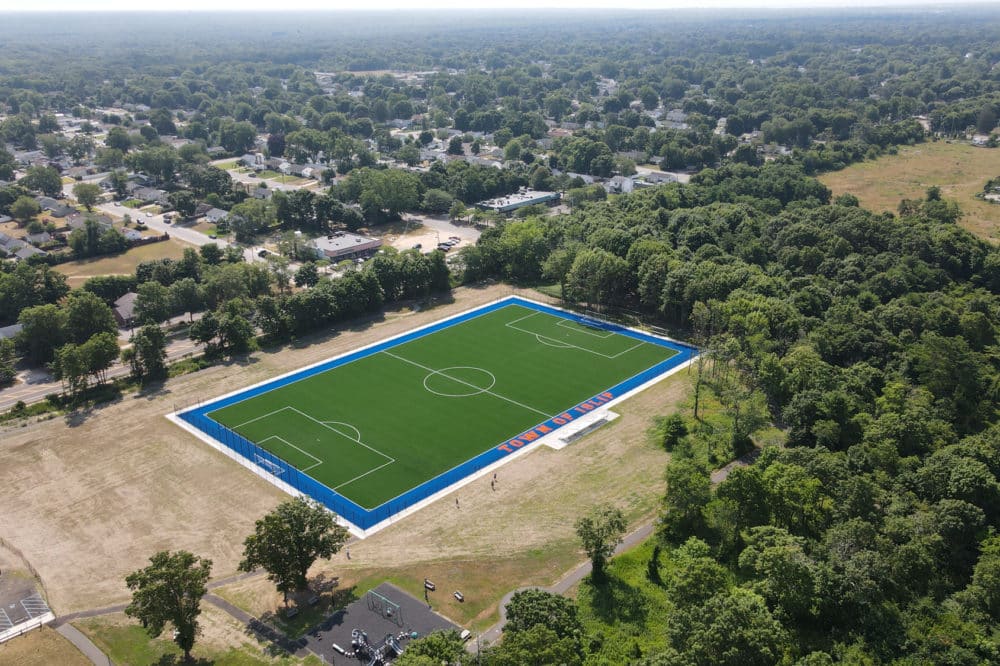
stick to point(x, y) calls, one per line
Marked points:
point(363, 475)
point(287, 443)
point(478, 388)
point(373, 450)
point(258, 418)
point(567, 324)
point(569, 345)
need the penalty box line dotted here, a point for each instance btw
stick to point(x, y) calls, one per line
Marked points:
point(563, 343)
point(389, 459)
point(287, 443)
point(470, 385)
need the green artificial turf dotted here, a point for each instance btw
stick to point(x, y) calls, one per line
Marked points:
point(378, 426)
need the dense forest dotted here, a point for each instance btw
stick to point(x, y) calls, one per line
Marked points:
point(869, 340)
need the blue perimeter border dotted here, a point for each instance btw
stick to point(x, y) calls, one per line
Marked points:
point(367, 518)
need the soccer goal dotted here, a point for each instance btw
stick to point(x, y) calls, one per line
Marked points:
point(385, 607)
point(272, 467)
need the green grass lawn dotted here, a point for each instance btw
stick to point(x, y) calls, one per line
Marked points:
point(383, 424)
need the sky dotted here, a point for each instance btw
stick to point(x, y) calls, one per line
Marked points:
point(411, 5)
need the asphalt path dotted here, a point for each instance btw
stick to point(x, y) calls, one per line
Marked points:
point(38, 384)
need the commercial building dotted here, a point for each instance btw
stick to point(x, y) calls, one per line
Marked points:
point(511, 202)
point(342, 245)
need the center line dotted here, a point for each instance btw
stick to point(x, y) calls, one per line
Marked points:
point(478, 388)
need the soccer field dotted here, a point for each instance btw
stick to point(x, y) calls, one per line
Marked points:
point(389, 425)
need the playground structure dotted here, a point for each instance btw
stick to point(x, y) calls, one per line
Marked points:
point(372, 654)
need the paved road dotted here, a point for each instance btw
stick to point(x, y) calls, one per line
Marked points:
point(39, 383)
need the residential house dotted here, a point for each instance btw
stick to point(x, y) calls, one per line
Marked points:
point(28, 251)
point(77, 220)
point(39, 238)
point(252, 161)
point(54, 207)
point(619, 185)
point(216, 215)
point(124, 309)
point(151, 195)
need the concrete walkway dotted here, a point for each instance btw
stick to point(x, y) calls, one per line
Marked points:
point(83, 644)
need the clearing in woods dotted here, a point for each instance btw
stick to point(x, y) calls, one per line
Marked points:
point(959, 169)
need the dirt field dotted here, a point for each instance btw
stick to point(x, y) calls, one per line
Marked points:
point(43, 646)
point(89, 498)
point(77, 272)
point(959, 169)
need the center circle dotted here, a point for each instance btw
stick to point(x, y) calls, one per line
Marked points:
point(460, 381)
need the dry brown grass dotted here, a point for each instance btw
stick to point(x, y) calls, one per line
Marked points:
point(89, 500)
point(77, 272)
point(522, 533)
point(42, 647)
point(959, 169)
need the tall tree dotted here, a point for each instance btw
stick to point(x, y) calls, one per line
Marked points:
point(147, 356)
point(600, 532)
point(43, 179)
point(87, 194)
point(87, 315)
point(24, 209)
point(170, 590)
point(287, 541)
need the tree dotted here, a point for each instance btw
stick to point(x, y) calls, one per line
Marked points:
point(170, 590)
point(434, 649)
point(457, 210)
point(87, 194)
point(732, 629)
point(672, 431)
point(211, 253)
point(98, 353)
point(186, 296)
point(152, 303)
point(986, 121)
point(25, 208)
point(86, 316)
point(147, 356)
point(556, 612)
point(43, 179)
point(44, 331)
point(307, 275)
point(69, 365)
point(287, 541)
point(695, 577)
point(183, 201)
point(118, 139)
point(537, 645)
point(688, 491)
point(600, 532)
point(437, 201)
point(8, 360)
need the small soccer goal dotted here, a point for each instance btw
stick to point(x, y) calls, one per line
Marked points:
point(385, 607)
point(272, 467)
